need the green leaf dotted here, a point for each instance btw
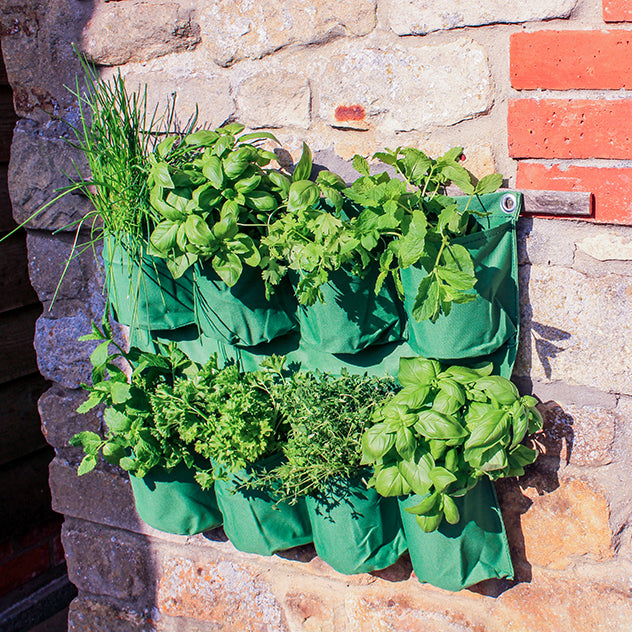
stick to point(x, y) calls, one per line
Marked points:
point(116, 421)
point(87, 464)
point(413, 397)
point(415, 372)
point(428, 505)
point(441, 478)
point(426, 305)
point(302, 195)
point(330, 179)
point(390, 482)
point(457, 257)
point(228, 267)
point(488, 431)
point(165, 146)
point(245, 185)
point(90, 441)
point(431, 522)
point(498, 388)
point(101, 354)
point(258, 136)
point(197, 231)
point(93, 400)
point(261, 201)
point(160, 174)
point(303, 168)
point(417, 473)
point(405, 443)
point(450, 510)
point(434, 425)
point(455, 278)
point(212, 169)
point(163, 237)
point(225, 229)
point(376, 442)
point(412, 245)
point(488, 184)
point(203, 137)
point(237, 162)
point(361, 165)
point(119, 392)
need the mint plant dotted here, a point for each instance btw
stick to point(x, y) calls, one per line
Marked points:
point(409, 220)
point(447, 428)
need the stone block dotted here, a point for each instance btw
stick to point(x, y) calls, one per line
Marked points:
point(40, 156)
point(274, 99)
point(309, 611)
point(60, 419)
point(64, 278)
point(551, 521)
point(407, 86)
point(109, 562)
point(225, 592)
point(121, 32)
point(418, 17)
point(575, 328)
point(89, 614)
point(195, 82)
point(580, 435)
point(252, 29)
point(37, 38)
point(99, 497)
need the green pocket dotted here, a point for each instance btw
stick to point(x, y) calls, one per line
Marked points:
point(457, 556)
point(483, 326)
point(172, 501)
point(241, 315)
point(352, 317)
point(355, 529)
point(255, 521)
point(142, 291)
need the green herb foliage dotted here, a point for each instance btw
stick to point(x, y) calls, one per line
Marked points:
point(213, 198)
point(446, 428)
point(408, 220)
point(327, 416)
point(228, 416)
point(137, 435)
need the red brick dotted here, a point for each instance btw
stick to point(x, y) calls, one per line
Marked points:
point(23, 568)
point(565, 128)
point(563, 60)
point(40, 534)
point(611, 187)
point(617, 11)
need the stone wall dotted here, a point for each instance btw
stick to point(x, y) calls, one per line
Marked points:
point(350, 77)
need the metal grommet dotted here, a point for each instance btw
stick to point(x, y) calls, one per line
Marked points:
point(508, 203)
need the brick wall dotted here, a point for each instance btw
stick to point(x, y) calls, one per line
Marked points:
point(571, 128)
point(410, 72)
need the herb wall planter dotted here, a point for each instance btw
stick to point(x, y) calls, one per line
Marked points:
point(172, 501)
point(254, 520)
point(352, 317)
point(457, 556)
point(145, 295)
point(355, 529)
point(241, 315)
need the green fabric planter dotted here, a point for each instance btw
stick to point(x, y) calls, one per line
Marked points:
point(481, 327)
point(355, 529)
point(352, 317)
point(457, 556)
point(172, 501)
point(144, 294)
point(253, 520)
point(241, 315)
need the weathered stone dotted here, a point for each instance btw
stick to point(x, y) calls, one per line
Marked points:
point(569, 604)
point(39, 159)
point(418, 17)
point(122, 32)
point(234, 30)
point(86, 614)
point(308, 612)
point(60, 355)
point(573, 326)
point(60, 419)
point(64, 280)
point(103, 561)
point(37, 38)
point(225, 592)
point(577, 514)
point(409, 86)
point(100, 497)
point(581, 435)
point(608, 247)
point(194, 80)
point(274, 99)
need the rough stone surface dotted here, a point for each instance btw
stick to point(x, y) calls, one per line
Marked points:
point(309, 612)
point(581, 435)
point(274, 99)
point(60, 419)
point(405, 87)
point(99, 496)
point(224, 592)
point(86, 614)
point(418, 17)
point(234, 30)
point(122, 32)
point(573, 326)
point(103, 561)
point(193, 78)
point(37, 37)
point(39, 159)
point(604, 247)
point(63, 280)
point(60, 355)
